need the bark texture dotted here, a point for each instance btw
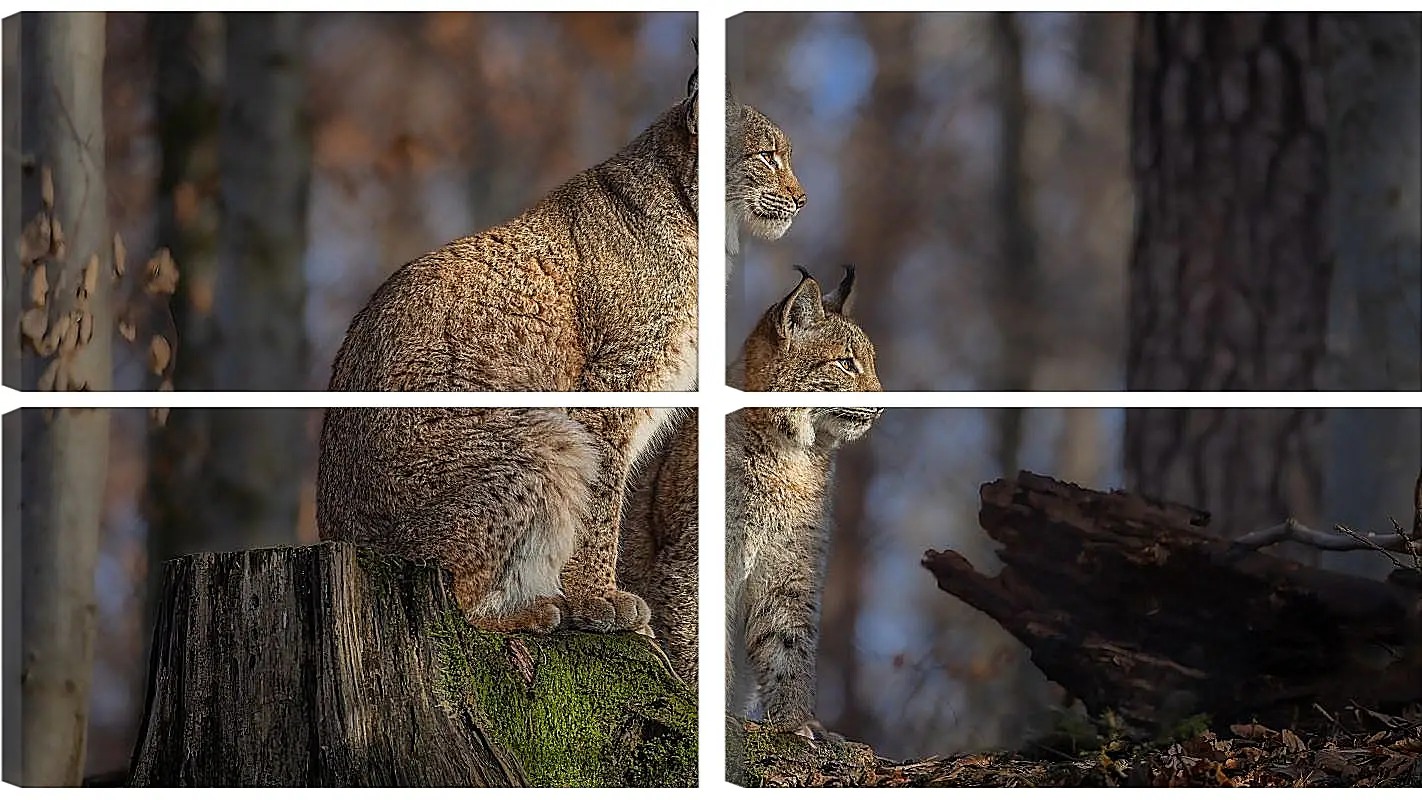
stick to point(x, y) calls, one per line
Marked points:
point(1131, 606)
point(329, 665)
point(66, 275)
point(1229, 279)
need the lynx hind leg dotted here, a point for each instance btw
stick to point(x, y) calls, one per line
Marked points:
point(671, 596)
point(508, 535)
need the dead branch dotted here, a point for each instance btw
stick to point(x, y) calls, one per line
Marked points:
point(1291, 530)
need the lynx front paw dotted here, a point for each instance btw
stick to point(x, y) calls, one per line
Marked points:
point(543, 615)
point(609, 611)
point(789, 711)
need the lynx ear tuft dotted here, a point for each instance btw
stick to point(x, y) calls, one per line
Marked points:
point(802, 308)
point(840, 300)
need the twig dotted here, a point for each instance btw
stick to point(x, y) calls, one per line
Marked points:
point(1291, 530)
point(1369, 544)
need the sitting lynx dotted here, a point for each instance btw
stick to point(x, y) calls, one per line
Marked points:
point(779, 463)
point(592, 289)
point(762, 193)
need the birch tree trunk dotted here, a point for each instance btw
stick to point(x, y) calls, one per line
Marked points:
point(66, 255)
point(1374, 79)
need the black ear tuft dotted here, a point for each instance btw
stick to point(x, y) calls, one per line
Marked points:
point(838, 301)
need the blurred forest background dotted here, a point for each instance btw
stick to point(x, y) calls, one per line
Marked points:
point(1147, 202)
point(291, 162)
point(913, 671)
point(1101, 201)
point(913, 135)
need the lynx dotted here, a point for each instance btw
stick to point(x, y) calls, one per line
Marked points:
point(762, 193)
point(779, 466)
point(658, 560)
point(592, 289)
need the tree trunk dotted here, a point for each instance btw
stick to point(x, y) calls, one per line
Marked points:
point(64, 454)
point(11, 157)
point(1374, 77)
point(1127, 603)
point(1014, 298)
point(378, 681)
point(1230, 272)
point(177, 502)
point(266, 168)
point(227, 479)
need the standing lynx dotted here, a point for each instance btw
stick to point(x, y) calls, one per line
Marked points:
point(592, 289)
point(779, 467)
point(762, 193)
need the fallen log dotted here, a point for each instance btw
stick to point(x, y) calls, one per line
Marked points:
point(1129, 604)
point(330, 665)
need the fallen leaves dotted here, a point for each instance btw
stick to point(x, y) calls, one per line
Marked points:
point(64, 303)
point(161, 274)
point(159, 353)
point(1367, 749)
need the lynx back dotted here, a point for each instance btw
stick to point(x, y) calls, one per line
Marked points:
point(592, 289)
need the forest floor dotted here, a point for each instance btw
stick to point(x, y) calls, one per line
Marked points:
point(1357, 747)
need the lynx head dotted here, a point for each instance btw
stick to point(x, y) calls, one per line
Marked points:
point(807, 343)
point(762, 193)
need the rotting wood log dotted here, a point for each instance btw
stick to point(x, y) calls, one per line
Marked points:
point(330, 665)
point(1130, 605)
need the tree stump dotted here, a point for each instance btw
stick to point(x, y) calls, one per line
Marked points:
point(331, 665)
point(1131, 606)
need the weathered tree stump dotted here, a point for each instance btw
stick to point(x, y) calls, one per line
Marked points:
point(1131, 606)
point(330, 665)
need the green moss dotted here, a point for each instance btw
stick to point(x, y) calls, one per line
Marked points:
point(576, 709)
point(753, 753)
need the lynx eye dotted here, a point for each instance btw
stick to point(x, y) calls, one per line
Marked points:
point(849, 365)
point(770, 158)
